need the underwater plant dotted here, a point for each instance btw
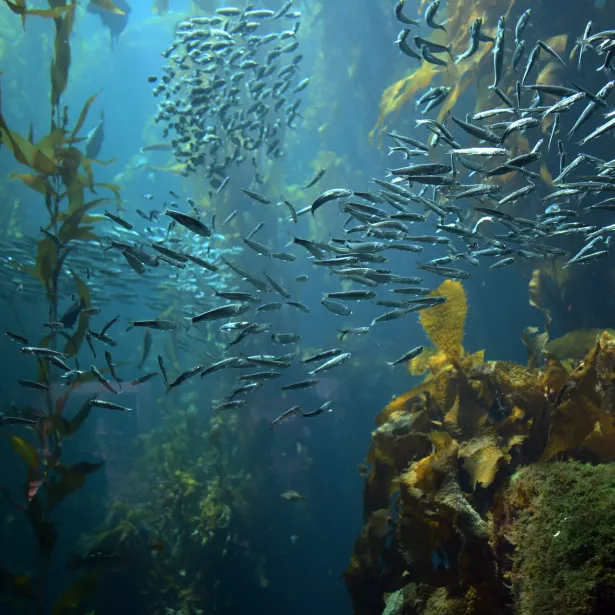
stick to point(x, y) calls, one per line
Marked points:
point(187, 512)
point(443, 459)
point(58, 170)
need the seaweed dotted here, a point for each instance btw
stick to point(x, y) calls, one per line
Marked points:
point(443, 456)
point(59, 171)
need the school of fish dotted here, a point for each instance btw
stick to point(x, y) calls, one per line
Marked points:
point(439, 216)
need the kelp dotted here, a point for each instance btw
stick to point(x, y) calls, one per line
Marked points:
point(443, 454)
point(57, 169)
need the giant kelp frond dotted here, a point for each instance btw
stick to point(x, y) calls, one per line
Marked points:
point(444, 323)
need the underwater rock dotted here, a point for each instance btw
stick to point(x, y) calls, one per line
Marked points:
point(557, 527)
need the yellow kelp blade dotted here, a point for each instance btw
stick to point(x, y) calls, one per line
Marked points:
point(444, 323)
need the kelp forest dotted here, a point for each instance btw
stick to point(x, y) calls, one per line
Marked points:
point(488, 486)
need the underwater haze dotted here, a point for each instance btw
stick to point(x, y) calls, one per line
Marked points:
point(306, 307)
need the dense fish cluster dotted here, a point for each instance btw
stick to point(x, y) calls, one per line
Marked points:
point(441, 215)
point(231, 88)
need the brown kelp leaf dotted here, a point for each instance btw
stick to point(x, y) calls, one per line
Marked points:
point(576, 344)
point(45, 531)
point(76, 595)
point(402, 439)
point(26, 450)
point(108, 5)
point(444, 323)
point(82, 116)
point(554, 377)
point(77, 421)
point(536, 295)
point(24, 152)
point(571, 423)
point(371, 542)
point(600, 443)
point(427, 474)
point(45, 261)
point(76, 340)
point(116, 191)
point(430, 359)
point(535, 343)
point(60, 65)
point(403, 403)
point(70, 479)
point(36, 182)
point(481, 458)
point(19, 7)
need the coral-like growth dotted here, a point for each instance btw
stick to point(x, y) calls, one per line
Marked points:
point(443, 455)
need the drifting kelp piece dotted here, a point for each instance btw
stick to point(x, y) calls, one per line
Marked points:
point(481, 459)
point(444, 323)
point(60, 64)
point(554, 377)
point(82, 116)
point(536, 298)
point(26, 450)
point(571, 423)
point(535, 343)
point(36, 182)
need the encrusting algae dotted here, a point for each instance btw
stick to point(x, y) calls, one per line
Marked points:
point(443, 458)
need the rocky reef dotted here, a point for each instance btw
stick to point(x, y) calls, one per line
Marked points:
point(490, 487)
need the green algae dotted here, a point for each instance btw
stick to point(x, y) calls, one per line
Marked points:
point(564, 539)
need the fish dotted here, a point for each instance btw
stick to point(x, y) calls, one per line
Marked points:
point(285, 338)
point(328, 196)
point(103, 380)
point(325, 407)
point(474, 33)
point(285, 416)
point(111, 367)
point(408, 356)
point(522, 24)
point(292, 496)
point(145, 378)
point(191, 223)
point(430, 14)
point(298, 386)
point(255, 196)
point(31, 384)
point(160, 325)
point(336, 307)
point(333, 362)
point(225, 311)
point(118, 220)
point(401, 16)
point(18, 339)
point(95, 138)
point(69, 318)
point(319, 175)
point(228, 405)
point(189, 373)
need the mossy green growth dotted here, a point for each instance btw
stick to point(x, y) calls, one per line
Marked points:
point(564, 538)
